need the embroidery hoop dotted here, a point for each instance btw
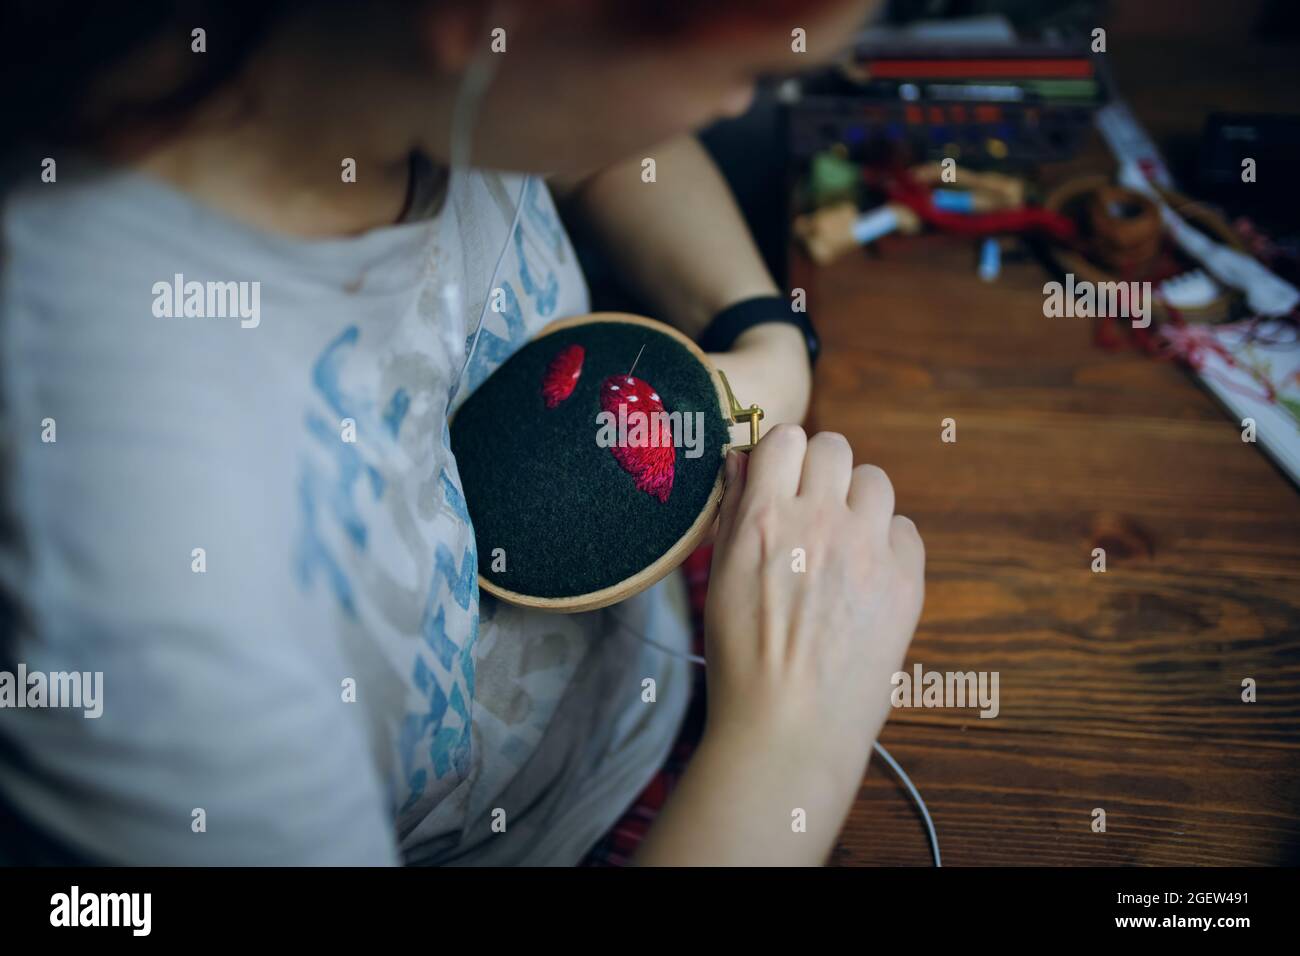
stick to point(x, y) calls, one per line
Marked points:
point(731, 411)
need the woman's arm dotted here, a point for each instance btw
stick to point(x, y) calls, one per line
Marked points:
point(682, 244)
point(799, 662)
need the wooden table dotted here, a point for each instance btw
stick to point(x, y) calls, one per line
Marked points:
point(1119, 690)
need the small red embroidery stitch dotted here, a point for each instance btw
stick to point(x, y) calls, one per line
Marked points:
point(650, 461)
point(562, 375)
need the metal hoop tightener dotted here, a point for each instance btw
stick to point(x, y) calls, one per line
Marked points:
point(737, 413)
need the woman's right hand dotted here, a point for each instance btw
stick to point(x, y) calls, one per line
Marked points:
point(815, 591)
point(814, 594)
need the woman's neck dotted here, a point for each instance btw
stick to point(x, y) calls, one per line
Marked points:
point(297, 146)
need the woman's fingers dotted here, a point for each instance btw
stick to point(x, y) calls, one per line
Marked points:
point(775, 465)
point(736, 469)
point(907, 546)
point(871, 495)
point(827, 467)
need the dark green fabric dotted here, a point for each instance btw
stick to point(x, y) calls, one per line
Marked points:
point(570, 520)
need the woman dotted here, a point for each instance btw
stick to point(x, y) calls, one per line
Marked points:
point(298, 666)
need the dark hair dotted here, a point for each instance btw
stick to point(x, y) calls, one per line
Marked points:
point(55, 55)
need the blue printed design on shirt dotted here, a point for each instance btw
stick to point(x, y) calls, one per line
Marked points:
point(455, 500)
point(395, 413)
point(435, 736)
point(493, 349)
point(543, 217)
point(545, 294)
point(321, 494)
point(313, 554)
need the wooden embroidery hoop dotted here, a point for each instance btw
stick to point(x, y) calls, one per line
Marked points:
point(667, 562)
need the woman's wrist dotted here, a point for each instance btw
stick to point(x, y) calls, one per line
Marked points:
point(779, 340)
point(743, 802)
point(768, 366)
point(791, 739)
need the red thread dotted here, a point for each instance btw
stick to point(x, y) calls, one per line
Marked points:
point(902, 187)
point(651, 460)
point(562, 375)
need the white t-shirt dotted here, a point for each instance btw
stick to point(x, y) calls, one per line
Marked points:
point(321, 683)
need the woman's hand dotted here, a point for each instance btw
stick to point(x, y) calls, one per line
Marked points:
point(815, 591)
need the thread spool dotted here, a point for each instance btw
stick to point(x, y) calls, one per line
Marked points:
point(832, 231)
point(1071, 198)
point(996, 191)
point(1126, 231)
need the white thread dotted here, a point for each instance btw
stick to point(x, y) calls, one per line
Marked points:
point(693, 658)
point(916, 796)
point(879, 748)
point(478, 77)
point(478, 328)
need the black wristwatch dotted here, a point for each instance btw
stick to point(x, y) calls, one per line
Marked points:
point(728, 324)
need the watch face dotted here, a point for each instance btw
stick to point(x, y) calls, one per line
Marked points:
point(587, 458)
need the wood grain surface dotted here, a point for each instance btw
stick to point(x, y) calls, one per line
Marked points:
point(1119, 690)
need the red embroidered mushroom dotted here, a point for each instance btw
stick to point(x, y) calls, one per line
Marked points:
point(651, 459)
point(562, 375)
